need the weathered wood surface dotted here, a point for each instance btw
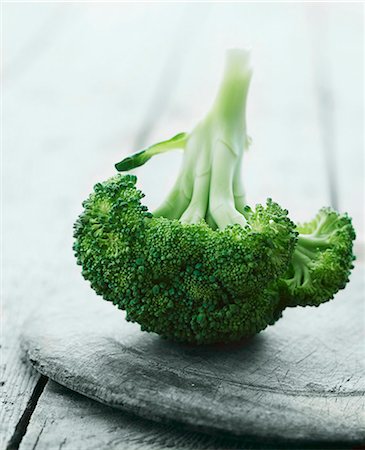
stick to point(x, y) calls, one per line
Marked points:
point(69, 421)
point(295, 382)
point(79, 102)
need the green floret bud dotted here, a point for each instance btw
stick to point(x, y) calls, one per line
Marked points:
point(322, 260)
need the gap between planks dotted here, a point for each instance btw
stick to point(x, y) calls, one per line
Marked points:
point(22, 425)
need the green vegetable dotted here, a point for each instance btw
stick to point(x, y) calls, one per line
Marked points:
point(321, 262)
point(138, 159)
point(205, 267)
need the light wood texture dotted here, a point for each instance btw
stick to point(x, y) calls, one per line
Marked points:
point(68, 421)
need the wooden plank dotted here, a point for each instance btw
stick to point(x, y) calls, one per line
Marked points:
point(72, 106)
point(297, 382)
point(99, 427)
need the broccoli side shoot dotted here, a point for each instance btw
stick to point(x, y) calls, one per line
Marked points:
point(322, 260)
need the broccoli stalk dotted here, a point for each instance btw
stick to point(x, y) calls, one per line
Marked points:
point(209, 184)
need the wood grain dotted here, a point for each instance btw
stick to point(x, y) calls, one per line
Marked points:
point(99, 427)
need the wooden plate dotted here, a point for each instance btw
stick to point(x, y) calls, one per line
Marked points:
point(300, 381)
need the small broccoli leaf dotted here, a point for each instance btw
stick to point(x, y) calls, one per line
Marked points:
point(141, 157)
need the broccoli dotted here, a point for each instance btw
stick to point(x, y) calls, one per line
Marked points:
point(321, 262)
point(205, 267)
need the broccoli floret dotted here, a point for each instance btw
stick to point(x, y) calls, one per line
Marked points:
point(321, 262)
point(205, 267)
point(184, 281)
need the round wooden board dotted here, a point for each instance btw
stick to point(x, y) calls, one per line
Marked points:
point(300, 381)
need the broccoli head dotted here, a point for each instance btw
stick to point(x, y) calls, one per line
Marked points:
point(183, 281)
point(205, 267)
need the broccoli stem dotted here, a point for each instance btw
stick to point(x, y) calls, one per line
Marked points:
point(312, 241)
point(300, 261)
point(305, 253)
point(209, 184)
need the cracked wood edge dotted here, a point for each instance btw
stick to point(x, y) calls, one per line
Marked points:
point(99, 427)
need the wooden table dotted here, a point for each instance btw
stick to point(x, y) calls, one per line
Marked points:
point(84, 85)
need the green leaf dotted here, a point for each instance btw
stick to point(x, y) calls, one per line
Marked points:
point(141, 157)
